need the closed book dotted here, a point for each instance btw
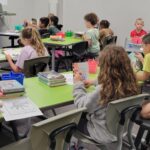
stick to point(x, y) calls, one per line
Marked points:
point(12, 95)
point(52, 81)
point(52, 84)
point(51, 76)
point(11, 86)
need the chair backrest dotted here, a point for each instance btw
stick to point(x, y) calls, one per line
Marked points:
point(109, 40)
point(116, 107)
point(44, 33)
point(40, 132)
point(33, 66)
point(59, 27)
point(80, 49)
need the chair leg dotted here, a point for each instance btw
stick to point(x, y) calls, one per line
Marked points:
point(0, 127)
point(15, 131)
point(54, 112)
point(148, 138)
point(139, 137)
point(130, 137)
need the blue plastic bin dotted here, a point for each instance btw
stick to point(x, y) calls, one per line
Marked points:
point(13, 76)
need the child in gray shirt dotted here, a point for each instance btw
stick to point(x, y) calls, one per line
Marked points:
point(115, 80)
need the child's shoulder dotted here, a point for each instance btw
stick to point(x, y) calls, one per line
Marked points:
point(27, 48)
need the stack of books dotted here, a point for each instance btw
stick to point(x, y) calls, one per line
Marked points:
point(52, 79)
point(11, 89)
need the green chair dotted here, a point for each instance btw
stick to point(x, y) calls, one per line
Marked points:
point(50, 134)
point(118, 122)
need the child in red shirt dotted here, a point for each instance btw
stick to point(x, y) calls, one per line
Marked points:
point(138, 32)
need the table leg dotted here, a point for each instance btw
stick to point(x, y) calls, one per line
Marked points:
point(14, 129)
point(53, 59)
point(12, 42)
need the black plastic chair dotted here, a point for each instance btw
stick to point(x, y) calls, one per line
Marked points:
point(44, 33)
point(59, 27)
point(33, 66)
point(77, 53)
point(108, 40)
point(144, 127)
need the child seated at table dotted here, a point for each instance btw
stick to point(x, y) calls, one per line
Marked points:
point(116, 80)
point(33, 48)
point(53, 26)
point(92, 34)
point(43, 26)
point(138, 32)
point(145, 74)
point(105, 31)
point(49, 16)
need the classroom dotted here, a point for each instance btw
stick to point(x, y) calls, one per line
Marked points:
point(74, 75)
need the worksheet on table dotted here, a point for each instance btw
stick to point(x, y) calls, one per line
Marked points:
point(19, 108)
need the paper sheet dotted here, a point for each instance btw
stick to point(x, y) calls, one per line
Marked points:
point(19, 108)
point(14, 53)
point(69, 78)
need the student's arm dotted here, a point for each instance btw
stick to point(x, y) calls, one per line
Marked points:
point(87, 38)
point(139, 57)
point(145, 113)
point(142, 75)
point(12, 65)
point(84, 99)
point(88, 83)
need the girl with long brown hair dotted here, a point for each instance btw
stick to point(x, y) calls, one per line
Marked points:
point(33, 48)
point(116, 80)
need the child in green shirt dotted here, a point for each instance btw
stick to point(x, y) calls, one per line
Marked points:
point(145, 74)
point(92, 34)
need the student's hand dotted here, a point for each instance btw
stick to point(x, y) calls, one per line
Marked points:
point(139, 57)
point(8, 57)
point(78, 77)
point(88, 83)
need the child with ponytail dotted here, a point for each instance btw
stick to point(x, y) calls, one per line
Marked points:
point(33, 48)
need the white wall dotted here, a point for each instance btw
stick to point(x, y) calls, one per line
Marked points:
point(121, 14)
point(23, 10)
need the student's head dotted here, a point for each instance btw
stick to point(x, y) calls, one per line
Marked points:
point(50, 15)
point(30, 36)
point(54, 21)
point(146, 43)
point(139, 23)
point(104, 24)
point(43, 22)
point(116, 75)
point(91, 20)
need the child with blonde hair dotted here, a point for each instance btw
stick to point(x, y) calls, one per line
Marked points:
point(138, 31)
point(33, 48)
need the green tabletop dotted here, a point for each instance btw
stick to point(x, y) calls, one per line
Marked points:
point(45, 96)
point(67, 41)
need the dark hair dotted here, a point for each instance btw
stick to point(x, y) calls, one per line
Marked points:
point(45, 21)
point(92, 18)
point(55, 20)
point(116, 75)
point(104, 24)
point(146, 39)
